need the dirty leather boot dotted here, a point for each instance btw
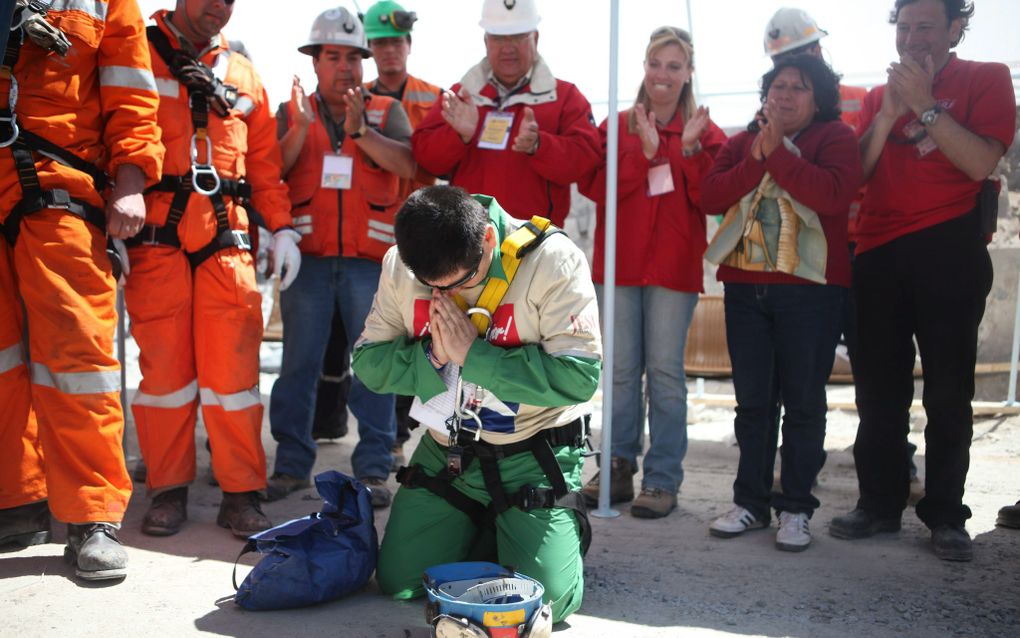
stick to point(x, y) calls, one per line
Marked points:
point(166, 513)
point(25, 525)
point(621, 484)
point(241, 513)
point(95, 551)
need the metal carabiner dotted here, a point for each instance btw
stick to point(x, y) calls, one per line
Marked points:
point(463, 413)
point(203, 170)
point(15, 131)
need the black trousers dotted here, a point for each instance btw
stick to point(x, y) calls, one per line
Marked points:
point(931, 285)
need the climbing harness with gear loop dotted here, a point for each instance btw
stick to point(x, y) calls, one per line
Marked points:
point(24, 145)
point(205, 92)
point(465, 443)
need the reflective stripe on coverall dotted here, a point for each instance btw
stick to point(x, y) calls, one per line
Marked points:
point(99, 102)
point(199, 331)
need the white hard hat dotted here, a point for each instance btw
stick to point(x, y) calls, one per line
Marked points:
point(339, 27)
point(791, 29)
point(509, 17)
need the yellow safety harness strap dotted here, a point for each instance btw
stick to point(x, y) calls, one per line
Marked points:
point(514, 247)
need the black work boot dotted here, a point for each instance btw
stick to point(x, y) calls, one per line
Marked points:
point(861, 523)
point(952, 542)
point(1009, 516)
point(25, 525)
point(95, 551)
point(241, 513)
point(166, 513)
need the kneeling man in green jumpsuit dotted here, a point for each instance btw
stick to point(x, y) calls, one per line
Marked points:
point(492, 324)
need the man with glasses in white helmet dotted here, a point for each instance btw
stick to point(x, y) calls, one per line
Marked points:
point(509, 128)
point(344, 153)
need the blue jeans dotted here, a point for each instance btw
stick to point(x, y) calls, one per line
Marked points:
point(782, 340)
point(323, 286)
point(650, 331)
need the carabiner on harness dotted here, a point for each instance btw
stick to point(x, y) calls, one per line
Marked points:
point(460, 413)
point(12, 121)
point(15, 131)
point(203, 170)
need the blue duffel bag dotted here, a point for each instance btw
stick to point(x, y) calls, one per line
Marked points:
point(317, 558)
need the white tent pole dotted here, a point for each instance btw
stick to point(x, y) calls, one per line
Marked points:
point(690, 29)
point(1011, 392)
point(609, 287)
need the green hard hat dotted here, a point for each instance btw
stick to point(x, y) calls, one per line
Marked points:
point(387, 19)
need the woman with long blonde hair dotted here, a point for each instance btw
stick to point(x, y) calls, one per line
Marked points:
point(667, 143)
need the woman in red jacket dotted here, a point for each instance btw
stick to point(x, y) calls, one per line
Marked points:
point(785, 185)
point(667, 144)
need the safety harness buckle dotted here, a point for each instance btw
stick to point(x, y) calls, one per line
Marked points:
point(530, 498)
point(147, 236)
point(241, 239)
point(58, 198)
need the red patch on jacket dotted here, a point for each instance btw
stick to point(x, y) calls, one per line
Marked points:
point(421, 318)
point(503, 330)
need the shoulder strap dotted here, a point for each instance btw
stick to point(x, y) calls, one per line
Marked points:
point(514, 248)
point(161, 43)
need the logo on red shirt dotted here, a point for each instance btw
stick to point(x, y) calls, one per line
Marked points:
point(503, 329)
point(421, 318)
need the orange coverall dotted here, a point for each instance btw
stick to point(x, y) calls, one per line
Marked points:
point(99, 102)
point(199, 331)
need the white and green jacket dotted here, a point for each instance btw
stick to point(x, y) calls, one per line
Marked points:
point(540, 359)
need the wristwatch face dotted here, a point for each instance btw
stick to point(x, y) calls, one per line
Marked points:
point(928, 117)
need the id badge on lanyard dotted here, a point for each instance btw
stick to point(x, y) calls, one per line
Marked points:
point(496, 130)
point(337, 171)
point(660, 179)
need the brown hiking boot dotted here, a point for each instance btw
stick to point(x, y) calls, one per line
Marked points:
point(378, 492)
point(280, 485)
point(653, 503)
point(167, 513)
point(241, 513)
point(621, 487)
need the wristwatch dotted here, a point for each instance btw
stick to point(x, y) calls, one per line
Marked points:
point(928, 117)
point(361, 131)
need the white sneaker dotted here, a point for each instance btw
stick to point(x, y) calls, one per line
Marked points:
point(793, 534)
point(734, 523)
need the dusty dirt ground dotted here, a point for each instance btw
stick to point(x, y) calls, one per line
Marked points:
point(643, 578)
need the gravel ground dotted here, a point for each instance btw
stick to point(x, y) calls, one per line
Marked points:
point(665, 577)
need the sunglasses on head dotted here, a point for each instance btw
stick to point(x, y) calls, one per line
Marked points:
point(674, 31)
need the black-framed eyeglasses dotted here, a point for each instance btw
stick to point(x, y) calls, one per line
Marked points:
point(460, 282)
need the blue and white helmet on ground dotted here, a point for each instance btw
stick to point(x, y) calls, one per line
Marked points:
point(484, 600)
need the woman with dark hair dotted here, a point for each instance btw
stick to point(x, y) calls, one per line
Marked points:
point(785, 185)
point(667, 143)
